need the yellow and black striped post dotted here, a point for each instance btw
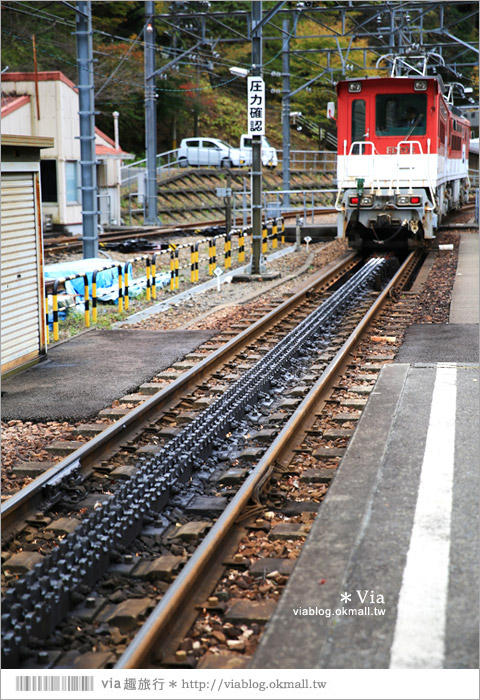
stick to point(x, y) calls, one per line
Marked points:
point(264, 238)
point(94, 296)
point(47, 338)
point(177, 266)
point(212, 255)
point(228, 251)
point(55, 308)
point(149, 283)
point(120, 288)
point(126, 295)
point(241, 246)
point(172, 270)
point(274, 234)
point(154, 276)
point(86, 296)
point(194, 262)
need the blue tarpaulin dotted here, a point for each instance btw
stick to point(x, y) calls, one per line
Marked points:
point(107, 280)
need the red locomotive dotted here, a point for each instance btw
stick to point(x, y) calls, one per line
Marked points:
point(402, 160)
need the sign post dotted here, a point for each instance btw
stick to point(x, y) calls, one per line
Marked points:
point(256, 129)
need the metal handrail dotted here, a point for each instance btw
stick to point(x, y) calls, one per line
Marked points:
point(317, 159)
point(282, 202)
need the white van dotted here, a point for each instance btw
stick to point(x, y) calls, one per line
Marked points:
point(269, 153)
point(207, 151)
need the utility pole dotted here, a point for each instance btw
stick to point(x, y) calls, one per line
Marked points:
point(256, 145)
point(286, 111)
point(87, 128)
point(150, 115)
point(174, 125)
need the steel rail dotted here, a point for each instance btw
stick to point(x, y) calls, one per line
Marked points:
point(151, 232)
point(178, 600)
point(125, 428)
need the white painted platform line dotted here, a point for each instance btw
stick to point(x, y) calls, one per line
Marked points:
point(419, 639)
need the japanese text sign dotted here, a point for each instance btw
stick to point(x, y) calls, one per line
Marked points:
point(255, 106)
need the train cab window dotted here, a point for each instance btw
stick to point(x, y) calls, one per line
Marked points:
point(400, 115)
point(358, 122)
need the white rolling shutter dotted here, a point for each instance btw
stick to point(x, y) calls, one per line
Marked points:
point(20, 294)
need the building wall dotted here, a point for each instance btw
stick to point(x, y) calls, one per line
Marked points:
point(23, 333)
point(19, 122)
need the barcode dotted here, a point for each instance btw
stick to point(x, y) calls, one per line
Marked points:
point(52, 683)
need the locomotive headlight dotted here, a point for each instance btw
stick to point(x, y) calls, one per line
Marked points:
point(420, 85)
point(365, 201)
point(354, 87)
point(404, 200)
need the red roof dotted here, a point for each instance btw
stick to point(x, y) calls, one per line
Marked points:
point(102, 150)
point(10, 103)
point(107, 151)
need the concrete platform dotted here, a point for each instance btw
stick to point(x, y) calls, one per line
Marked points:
point(84, 375)
point(465, 301)
point(388, 577)
point(438, 342)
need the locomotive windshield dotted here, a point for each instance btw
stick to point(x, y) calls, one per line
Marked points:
point(400, 115)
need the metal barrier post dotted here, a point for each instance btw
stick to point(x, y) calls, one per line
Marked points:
point(241, 245)
point(264, 238)
point(274, 234)
point(192, 262)
point(212, 255)
point(282, 239)
point(177, 263)
point(86, 295)
point(228, 251)
point(154, 276)
point(126, 295)
point(120, 288)
point(47, 339)
point(55, 308)
point(172, 270)
point(94, 296)
point(147, 274)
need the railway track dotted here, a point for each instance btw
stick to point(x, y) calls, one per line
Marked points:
point(69, 475)
point(195, 598)
point(66, 244)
